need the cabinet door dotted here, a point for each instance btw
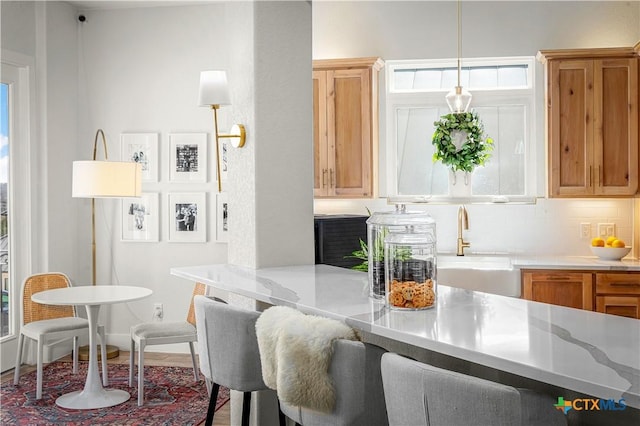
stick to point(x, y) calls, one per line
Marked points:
point(616, 126)
point(320, 167)
point(571, 289)
point(570, 115)
point(349, 132)
point(625, 306)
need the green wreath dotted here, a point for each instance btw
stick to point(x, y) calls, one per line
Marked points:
point(473, 151)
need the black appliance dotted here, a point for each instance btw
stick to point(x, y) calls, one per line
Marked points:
point(338, 236)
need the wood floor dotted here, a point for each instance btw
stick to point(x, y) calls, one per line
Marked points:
point(150, 358)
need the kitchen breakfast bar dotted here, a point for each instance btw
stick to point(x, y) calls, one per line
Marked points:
point(581, 352)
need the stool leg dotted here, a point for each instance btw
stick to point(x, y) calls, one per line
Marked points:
point(212, 404)
point(281, 417)
point(246, 408)
point(141, 346)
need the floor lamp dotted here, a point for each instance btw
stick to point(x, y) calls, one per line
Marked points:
point(103, 179)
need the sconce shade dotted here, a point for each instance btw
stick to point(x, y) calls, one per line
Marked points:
point(106, 179)
point(214, 89)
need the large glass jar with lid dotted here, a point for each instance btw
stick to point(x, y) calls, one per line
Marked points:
point(410, 270)
point(379, 226)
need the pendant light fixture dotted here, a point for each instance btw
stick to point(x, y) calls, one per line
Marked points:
point(458, 98)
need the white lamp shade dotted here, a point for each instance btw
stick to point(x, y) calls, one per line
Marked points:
point(106, 179)
point(214, 89)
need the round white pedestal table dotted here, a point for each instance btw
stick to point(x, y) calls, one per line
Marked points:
point(94, 395)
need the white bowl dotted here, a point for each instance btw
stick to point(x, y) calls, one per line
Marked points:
point(610, 253)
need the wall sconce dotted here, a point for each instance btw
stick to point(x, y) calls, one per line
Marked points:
point(214, 92)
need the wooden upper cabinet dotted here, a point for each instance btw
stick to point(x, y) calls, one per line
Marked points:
point(592, 122)
point(345, 127)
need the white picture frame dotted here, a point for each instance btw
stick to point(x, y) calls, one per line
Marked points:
point(141, 148)
point(141, 218)
point(224, 159)
point(187, 217)
point(188, 157)
point(222, 217)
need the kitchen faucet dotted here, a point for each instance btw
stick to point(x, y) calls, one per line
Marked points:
point(462, 216)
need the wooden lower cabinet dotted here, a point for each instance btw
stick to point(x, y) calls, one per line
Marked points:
point(615, 293)
point(625, 306)
point(618, 293)
point(571, 289)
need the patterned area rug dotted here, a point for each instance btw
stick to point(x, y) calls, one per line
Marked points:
point(171, 398)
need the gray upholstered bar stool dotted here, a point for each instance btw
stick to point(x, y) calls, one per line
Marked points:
point(420, 394)
point(355, 372)
point(228, 351)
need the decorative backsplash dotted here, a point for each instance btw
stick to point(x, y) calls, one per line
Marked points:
point(549, 227)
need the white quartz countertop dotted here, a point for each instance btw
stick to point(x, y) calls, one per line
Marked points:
point(588, 352)
point(524, 261)
point(575, 262)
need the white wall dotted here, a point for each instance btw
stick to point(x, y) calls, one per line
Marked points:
point(427, 30)
point(138, 71)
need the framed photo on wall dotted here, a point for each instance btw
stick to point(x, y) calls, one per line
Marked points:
point(188, 157)
point(141, 218)
point(224, 159)
point(142, 148)
point(188, 217)
point(222, 218)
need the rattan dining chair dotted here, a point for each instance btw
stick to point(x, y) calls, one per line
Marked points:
point(49, 324)
point(162, 333)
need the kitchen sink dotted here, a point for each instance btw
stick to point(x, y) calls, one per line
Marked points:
point(490, 274)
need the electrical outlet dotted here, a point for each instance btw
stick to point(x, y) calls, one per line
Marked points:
point(606, 230)
point(158, 312)
point(585, 230)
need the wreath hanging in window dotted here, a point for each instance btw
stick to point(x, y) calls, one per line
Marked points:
point(460, 141)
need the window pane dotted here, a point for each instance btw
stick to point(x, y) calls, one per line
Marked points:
point(403, 79)
point(4, 207)
point(428, 79)
point(450, 78)
point(504, 173)
point(471, 77)
point(417, 174)
point(483, 78)
point(515, 76)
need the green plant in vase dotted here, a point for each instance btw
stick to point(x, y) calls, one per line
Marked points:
point(362, 254)
point(376, 269)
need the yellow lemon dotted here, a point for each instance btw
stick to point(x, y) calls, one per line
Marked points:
point(618, 244)
point(597, 242)
point(610, 240)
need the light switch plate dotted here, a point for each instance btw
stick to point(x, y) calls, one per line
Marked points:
point(606, 230)
point(585, 230)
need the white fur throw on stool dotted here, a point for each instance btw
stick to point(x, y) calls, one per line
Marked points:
point(295, 352)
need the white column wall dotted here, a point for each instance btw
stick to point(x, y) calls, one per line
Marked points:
point(271, 178)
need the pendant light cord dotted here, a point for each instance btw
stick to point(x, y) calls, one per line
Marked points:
point(459, 43)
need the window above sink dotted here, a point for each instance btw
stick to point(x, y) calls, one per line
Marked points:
point(503, 92)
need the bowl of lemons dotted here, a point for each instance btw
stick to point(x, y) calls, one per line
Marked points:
point(612, 248)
